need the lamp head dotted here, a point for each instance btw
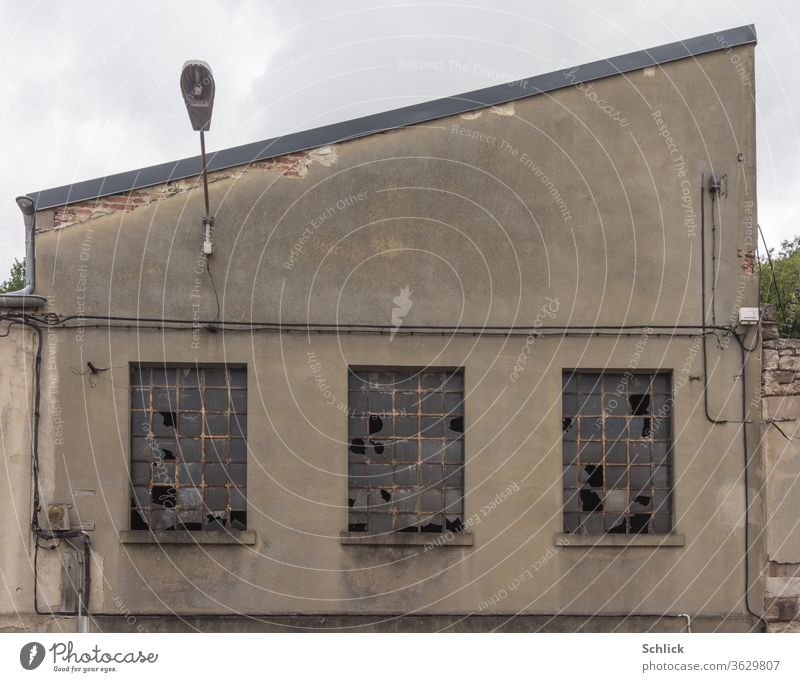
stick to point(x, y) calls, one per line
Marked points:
point(197, 88)
point(26, 205)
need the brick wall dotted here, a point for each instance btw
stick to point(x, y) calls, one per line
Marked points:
point(291, 165)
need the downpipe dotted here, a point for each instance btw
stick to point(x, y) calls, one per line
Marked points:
point(25, 297)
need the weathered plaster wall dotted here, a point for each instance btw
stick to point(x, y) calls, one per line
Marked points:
point(487, 217)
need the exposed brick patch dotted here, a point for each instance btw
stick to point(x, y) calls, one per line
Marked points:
point(780, 609)
point(749, 263)
point(291, 165)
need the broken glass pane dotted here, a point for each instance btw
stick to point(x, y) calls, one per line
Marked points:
point(163, 519)
point(616, 501)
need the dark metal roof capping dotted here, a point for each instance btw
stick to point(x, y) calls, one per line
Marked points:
point(388, 120)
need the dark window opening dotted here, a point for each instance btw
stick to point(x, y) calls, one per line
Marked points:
point(616, 435)
point(406, 451)
point(188, 448)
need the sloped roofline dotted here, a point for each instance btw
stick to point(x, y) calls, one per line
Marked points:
point(389, 120)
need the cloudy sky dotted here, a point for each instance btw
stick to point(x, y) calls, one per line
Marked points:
point(91, 88)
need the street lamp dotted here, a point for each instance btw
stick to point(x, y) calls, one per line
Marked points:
point(197, 88)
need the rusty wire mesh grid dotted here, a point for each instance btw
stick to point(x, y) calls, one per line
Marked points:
point(188, 447)
point(617, 452)
point(406, 451)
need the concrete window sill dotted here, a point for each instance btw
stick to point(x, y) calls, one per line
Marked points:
point(575, 540)
point(408, 539)
point(188, 537)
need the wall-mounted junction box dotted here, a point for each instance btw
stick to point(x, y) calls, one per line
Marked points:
point(748, 316)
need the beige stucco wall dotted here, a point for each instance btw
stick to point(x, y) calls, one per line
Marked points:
point(481, 240)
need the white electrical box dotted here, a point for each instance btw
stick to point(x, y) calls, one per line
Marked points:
point(748, 315)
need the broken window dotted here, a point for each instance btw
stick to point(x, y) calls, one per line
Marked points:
point(188, 448)
point(616, 435)
point(406, 451)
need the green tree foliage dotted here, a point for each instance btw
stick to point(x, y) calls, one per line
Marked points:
point(784, 291)
point(16, 278)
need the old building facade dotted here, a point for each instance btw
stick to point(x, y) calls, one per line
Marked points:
point(472, 364)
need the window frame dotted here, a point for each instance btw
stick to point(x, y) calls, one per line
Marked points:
point(669, 537)
point(207, 527)
point(395, 535)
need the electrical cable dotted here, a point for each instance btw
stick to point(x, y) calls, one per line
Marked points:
point(214, 287)
point(703, 300)
point(746, 481)
point(713, 193)
point(38, 531)
point(781, 431)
